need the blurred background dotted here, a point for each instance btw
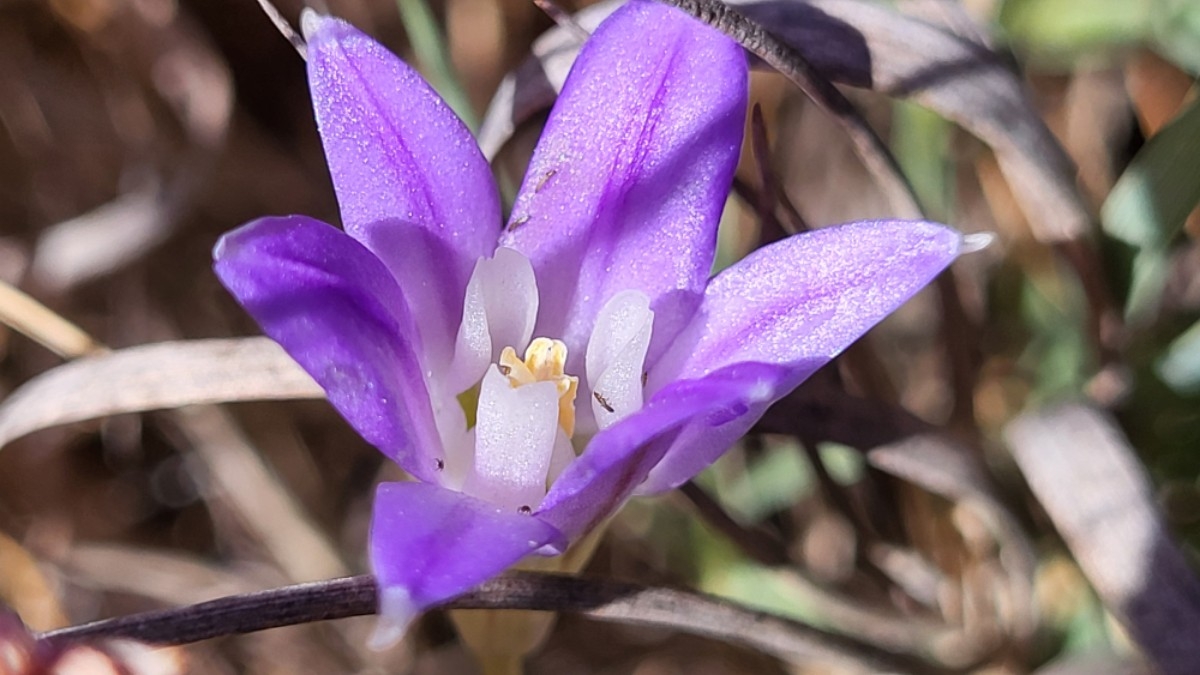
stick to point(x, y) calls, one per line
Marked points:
point(134, 132)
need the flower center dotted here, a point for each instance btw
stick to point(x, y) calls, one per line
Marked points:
point(545, 361)
point(509, 423)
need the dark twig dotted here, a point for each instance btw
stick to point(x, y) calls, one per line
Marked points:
point(823, 411)
point(1105, 324)
point(838, 497)
point(285, 29)
point(770, 225)
point(789, 62)
point(605, 600)
point(758, 544)
point(773, 196)
point(236, 614)
point(960, 333)
point(834, 493)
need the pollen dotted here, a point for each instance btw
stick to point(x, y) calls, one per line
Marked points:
point(545, 361)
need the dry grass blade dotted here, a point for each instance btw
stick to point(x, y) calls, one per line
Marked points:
point(903, 446)
point(295, 543)
point(26, 589)
point(38, 322)
point(156, 376)
point(103, 239)
point(167, 577)
point(1088, 478)
point(949, 470)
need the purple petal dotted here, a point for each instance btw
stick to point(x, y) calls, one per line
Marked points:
point(808, 296)
point(798, 303)
point(626, 187)
point(336, 310)
point(397, 153)
point(619, 458)
point(429, 273)
point(429, 544)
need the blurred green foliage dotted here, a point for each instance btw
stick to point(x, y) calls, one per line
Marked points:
point(433, 58)
point(1150, 202)
point(1061, 31)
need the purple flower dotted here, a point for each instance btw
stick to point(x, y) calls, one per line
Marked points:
point(533, 377)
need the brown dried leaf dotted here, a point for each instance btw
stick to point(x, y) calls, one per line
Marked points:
point(1089, 480)
point(156, 376)
point(944, 468)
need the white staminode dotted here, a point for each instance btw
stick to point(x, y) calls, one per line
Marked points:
point(616, 353)
point(523, 409)
point(499, 311)
point(515, 432)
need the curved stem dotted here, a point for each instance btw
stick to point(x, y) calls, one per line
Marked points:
point(605, 600)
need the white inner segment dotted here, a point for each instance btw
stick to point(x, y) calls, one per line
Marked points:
point(499, 310)
point(616, 353)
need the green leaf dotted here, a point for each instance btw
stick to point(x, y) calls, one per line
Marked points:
point(844, 464)
point(1150, 267)
point(1180, 367)
point(1176, 32)
point(1151, 201)
point(774, 481)
point(1057, 353)
point(921, 142)
point(1161, 186)
point(1074, 26)
point(429, 48)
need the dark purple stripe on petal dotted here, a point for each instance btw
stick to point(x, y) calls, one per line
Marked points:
point(398, 154)
point(335, 309)
point(627, 184)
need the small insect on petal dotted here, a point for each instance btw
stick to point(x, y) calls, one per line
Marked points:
point(602, 401)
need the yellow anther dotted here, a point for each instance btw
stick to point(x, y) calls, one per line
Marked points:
point(545, 361)
point(514, 368)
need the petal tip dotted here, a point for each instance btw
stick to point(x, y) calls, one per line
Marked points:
point(973, 243)
point(397, 611)
point(218, 251)
point(310, 22)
